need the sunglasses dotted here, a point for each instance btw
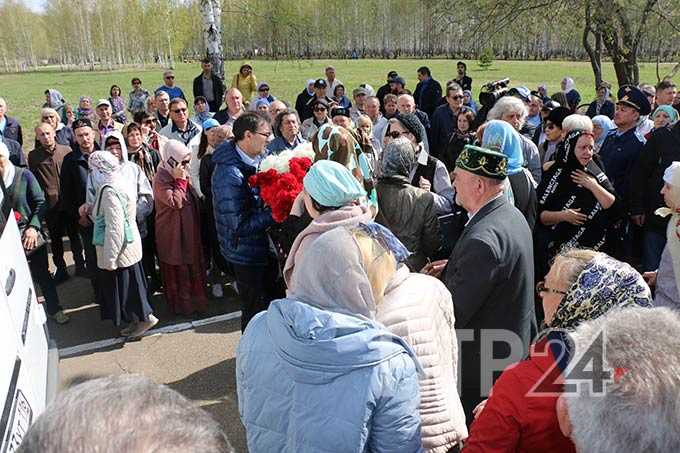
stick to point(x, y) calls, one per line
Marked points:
point(457, 97)
point(395, 134)
point(170, 77)
point(148, 122)
point(320, 109)
point(264, 89)
point(179, 111)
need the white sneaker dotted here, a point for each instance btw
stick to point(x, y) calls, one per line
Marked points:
point(142, 327)
point(217, 291)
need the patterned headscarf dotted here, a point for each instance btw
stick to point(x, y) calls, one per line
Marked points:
point(398, 158)
point(605, 283)
point(105, 168)
point(502, 137)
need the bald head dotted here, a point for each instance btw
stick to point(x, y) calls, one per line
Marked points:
point(406, 104)
point(234, 100)
point(45, 134)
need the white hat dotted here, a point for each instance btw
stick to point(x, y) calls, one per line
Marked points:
point(103, 102)
point(4, 151)
point(672, 174)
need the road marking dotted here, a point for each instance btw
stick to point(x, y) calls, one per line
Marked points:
point(71, 351)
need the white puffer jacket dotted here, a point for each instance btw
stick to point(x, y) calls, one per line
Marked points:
point(419, 309)
point(116, 253)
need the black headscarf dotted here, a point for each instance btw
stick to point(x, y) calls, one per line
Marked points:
point(558, 191)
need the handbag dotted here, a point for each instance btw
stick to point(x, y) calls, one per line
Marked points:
point(40, 241)
point(99, 228)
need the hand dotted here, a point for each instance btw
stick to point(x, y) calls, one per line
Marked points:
point(638, 220)
point(573, 216)
point(298, 207)
point(583, 179)
point(30, 239)
point(434, 268)
point(84, 210)
point(650, 278)
point(179, 173)
point(424, 184)
point(477, 411)
point(84, 221)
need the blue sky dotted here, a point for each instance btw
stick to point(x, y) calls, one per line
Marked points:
point(35, 5)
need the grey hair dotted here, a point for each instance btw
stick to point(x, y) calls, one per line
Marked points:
point(577, 122)
point(2, 101)
point(571, 262)
point(127, 413)
point(640, 409)
point(508, 104)
point(279, 119)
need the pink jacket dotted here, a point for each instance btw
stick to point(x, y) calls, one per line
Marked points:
point(346, 216)
point(419, 309)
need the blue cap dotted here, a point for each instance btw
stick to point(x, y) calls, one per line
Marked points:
point(521, 92)
point(331, 184)
point(209, 124)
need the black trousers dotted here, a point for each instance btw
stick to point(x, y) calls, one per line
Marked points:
point(37, 263)
point(90, 255)
point(149, 258)
point(59, 224)
point(257, 287)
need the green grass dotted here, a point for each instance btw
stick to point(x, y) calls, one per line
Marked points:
point(24, 92)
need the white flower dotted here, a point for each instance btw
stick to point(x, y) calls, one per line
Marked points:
point(281, 162)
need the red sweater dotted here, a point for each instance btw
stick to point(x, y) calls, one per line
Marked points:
point(513, 421)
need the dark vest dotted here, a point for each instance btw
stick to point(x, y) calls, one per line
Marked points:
point(426, 171)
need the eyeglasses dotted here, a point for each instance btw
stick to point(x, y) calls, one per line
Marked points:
point(320, 109)
point(263, 134)
point(170, 77)
point(395, 134)
point(179, 111)
point(541, 288)
point(457, 97)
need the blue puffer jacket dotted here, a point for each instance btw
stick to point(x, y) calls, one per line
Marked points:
point(240, 215)
point(312, 380)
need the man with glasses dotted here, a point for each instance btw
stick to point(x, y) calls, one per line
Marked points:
point(169, 86)
point(445, 118)
point(138, 97)
point(180, 127)
point(209, 85)
point(241, 217)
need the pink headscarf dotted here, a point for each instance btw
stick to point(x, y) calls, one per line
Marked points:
point(174, 150)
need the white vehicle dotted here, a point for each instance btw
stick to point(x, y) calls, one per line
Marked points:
point(28, 358)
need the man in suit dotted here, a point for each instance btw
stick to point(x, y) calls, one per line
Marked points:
point(490, 272)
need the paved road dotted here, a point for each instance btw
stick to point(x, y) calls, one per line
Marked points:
point(199, 362)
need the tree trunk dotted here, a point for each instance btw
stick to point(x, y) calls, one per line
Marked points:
point(211, 11)
point(595, 55)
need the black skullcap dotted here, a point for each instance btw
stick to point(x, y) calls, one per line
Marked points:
point(411, 122)
point(557, 115)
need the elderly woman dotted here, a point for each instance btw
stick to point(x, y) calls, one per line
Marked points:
point(663, 116)
point(520, 414)
point(85, 110)
point(513, 111)
point(666, 278)
point(339, 97)
point(244, 80)
point(406, 210)
point(63, 134)
point(178, 232)
point(332, 196)
point(603, 105)
point(28, 201)
point(319, 357)
point(502, 137)
point(122, 285)
point(576, 202)
point(602, 126)
point(569, 90)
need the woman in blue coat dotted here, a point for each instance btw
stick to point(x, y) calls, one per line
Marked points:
point(316, 372)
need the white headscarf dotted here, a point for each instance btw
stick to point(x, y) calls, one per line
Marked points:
point(568, 84)
point(105, 168)
point(8, 175)
point(672, 177)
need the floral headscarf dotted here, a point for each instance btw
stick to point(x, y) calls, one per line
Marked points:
point(605, 283)
point(398, 159)
point(105, 168)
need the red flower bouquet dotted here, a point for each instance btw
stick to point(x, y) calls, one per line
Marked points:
point(280, 179)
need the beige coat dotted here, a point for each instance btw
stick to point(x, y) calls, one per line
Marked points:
point(419, 309)
point(116, 253)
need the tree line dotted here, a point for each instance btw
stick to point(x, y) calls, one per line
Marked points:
point(105, 34)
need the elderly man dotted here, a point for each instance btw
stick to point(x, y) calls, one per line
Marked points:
point(106, 123)
point(430, 174)
point(64, 135)
point(359, 105)
point(233, 100)
point(277, 107)
point(380, 123)
point(162, 102)
point(209, 85)
point(180, 127)
point(9, 127)
point(242, 219)
point(340, 117)
point(331, 81)
point(45, 162)
point(637, 406)
point(445, 118)
point(513, 111)
point(73, 189)
point(169, 86)
point(406, 104)
point(428, 91)
point(287, 132)
point(123, 411)
point(491, 269)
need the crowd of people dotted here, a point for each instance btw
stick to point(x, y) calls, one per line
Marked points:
point(426, 225)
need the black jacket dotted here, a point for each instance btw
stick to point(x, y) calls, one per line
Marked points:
point(73, 182)
point(427, 95)
point(16, 154)
point(301, 106)
point(662, 149)
point(218, 91)
point(13, 130)
point(607, 109)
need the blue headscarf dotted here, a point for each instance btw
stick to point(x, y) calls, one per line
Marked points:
point(331, 184)
point(606, 124)
point(669, 110)
point(502, 137)
point(387, 239)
